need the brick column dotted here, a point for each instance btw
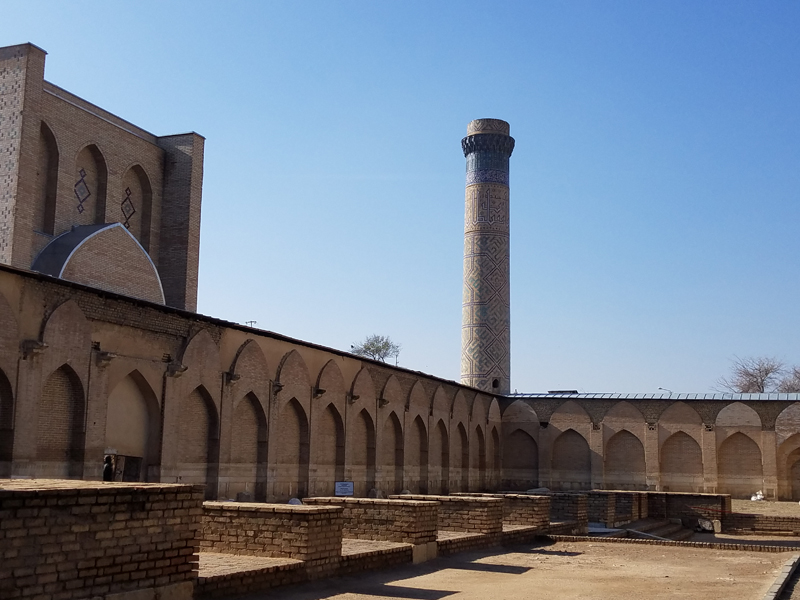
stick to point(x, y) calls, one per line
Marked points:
point(597, 457)
point(769, 460)
point(709, 448)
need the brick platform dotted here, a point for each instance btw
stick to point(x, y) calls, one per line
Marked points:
point(78, 539)
point(407, 521)
point(470, 514)
point(308, 533)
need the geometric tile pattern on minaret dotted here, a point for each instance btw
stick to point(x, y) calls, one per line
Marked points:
point(486, 314)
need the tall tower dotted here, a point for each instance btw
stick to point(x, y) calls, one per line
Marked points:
point(486, 316)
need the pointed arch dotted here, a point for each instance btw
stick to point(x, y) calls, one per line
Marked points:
point(68, 335)
point(568, 416)
point(327, 462)
point(391, 398)
point(252, 369)
point(361, 440)
point(91, 177)
point(681, 464)
point(249, 447)
point(133, 427)
point(624, 412)
point(201, 358)
point(198, 440)
point(391, 453)
point(478, 457)
point(416, 457)
point(295, 381)
point(739, 467)
point(292, 451)
point(624, 462)
point(61, 426)
point(44, 218)
point(680, 413)
point(520, 415)
point(788, 422)
point(520, 461)
point(418, 403)
point(461, 454)
point(738, 414)
point(136, 205)
point(571, 466)
point(361, 436)
point(439, 459)
point(441, 402)
point(480, 409)
point(494, 412)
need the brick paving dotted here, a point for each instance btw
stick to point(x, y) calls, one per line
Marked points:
point(214, 564)
point(351, 546)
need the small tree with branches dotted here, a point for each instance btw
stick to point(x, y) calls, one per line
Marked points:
point(377, 347)
point(757, 375)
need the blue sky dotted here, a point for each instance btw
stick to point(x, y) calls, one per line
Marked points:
point(655, 183)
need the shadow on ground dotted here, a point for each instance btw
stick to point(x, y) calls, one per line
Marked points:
point(380, 583)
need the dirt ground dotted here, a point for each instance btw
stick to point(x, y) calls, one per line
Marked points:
point(766, 507)
point(563, 571)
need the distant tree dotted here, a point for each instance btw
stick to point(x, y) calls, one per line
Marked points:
point(791, 382)
point(378, 347)
point(756, 375)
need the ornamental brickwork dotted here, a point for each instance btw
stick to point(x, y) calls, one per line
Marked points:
point(486, 315)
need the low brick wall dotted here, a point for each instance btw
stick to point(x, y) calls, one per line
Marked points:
point(375, 560)
point(567, 506)
point(79, 539)
point(755, 523)
point(308, 533)
point(407, 521)
point(602, 507)
point(251, 581)
point(520, 509)
point(465, 513)
point(688, 506)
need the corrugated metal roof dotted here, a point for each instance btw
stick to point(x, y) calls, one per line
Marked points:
point(728, 397)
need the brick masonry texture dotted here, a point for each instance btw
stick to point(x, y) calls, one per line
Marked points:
point(408, 521)
point(755, 523)
point(521, 509)
point(71, 163)
point(466, 513)
point(72, 539)
point(252, 438)
point(308, 533)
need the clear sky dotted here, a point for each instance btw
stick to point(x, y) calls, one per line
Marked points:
point(655, 184)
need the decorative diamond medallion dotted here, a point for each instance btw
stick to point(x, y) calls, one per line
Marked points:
point(82, 192)
point(128, 210)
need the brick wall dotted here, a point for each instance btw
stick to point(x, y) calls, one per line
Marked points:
point(521, 509)
point(692, 506)
point(566, 506)
point(112, 261)
point(754, 523)
point(407, 521)
point(79, 539)
point(308, 533)
point(466, 513)
point(601, 507)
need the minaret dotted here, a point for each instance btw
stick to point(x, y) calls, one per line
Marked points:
point(486, 317)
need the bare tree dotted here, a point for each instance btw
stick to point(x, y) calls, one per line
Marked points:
point(754, 375)
point(378, 347)
point(791, 383)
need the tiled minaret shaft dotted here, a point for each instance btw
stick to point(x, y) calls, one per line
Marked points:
point(486, 320)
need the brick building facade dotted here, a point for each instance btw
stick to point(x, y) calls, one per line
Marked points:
point(70, 167)
point(101, 354)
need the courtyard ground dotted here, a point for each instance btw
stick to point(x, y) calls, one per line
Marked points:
point(562, 570)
